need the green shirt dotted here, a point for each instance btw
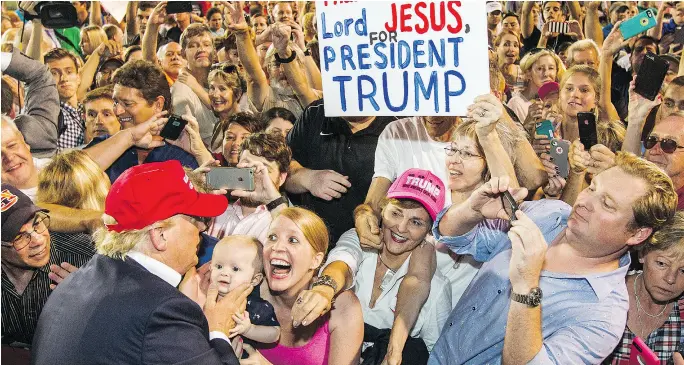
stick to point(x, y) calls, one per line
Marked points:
point(73, 34)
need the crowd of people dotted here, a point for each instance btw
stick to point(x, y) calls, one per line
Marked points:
point(478, 239)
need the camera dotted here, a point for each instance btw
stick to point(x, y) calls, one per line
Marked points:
point(54, 14)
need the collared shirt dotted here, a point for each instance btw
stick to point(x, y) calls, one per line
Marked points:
point(169, 275)
point(663, 340)
point(20, 311)
point(583, 316)
point(129, 158)
point(431, 317)
point(328, 143)
point(74, 126)
point(185, 99)
point(156, 267)
point(233, 221)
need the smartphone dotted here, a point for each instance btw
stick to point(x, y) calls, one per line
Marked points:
point(175, 7)
point(558, 27)
point(509, 205)
point(231, 178)
point(638, 24)
point(650, 77)
point(679, 35)
point(173, 127)
point(640, 354)
point(545, 128)
point(586, 122)
point(559, 152)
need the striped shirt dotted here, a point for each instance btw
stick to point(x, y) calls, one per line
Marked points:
point(20, 312)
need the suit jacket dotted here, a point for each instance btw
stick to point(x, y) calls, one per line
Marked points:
point(116, 312)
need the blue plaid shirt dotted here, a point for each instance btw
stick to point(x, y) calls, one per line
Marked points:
point(583, 316)
point(160, 154)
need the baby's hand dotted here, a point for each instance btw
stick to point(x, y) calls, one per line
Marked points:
point(242, 324)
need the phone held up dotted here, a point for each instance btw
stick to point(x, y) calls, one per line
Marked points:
point(509, 205)
point(586, 123)
point(651, 75)
point(231, 178)
point(640, 354)
point(638, 24)
point(559, 153)
point(175, 7)
point(173, 127)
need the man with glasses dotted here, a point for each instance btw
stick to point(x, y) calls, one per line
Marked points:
point(29, 249)
point(123, 306)
point(665, 148)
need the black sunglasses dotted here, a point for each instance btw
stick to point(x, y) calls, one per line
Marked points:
point(668, 145)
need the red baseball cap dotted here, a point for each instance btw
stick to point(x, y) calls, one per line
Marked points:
point(422, 186)
point(548, 88)
point(152, 192)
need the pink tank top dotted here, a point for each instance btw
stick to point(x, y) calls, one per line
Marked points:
point(315, 352)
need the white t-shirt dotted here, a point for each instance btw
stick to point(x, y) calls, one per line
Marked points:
point(182, 96)
point(39, 163)
point(520, 106)
point(405, 144)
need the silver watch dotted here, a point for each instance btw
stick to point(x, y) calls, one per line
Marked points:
point(533, 299)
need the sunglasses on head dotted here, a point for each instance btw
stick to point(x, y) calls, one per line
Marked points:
point(668, 145)
point(229, 69)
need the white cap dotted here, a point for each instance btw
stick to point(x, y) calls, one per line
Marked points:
point(494, 6)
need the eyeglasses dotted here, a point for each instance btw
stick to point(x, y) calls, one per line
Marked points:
point(668, 145)
point(41, 222)
point(463, 154)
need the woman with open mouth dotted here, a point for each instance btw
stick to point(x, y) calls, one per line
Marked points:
point(296, 243)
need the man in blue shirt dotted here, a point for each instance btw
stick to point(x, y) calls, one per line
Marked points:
point(142, 103)
point(570, 262)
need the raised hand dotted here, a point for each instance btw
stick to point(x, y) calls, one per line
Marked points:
point(146, 134)
point(235, 21)
point(108, 48)
point(280, 36)
point(265, 190)
point(158, 15)
point(487, 110)
point(486, 200)
point(367, 227)
point(614, 41)
point(59, 273)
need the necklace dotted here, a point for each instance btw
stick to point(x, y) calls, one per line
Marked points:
point(639, 307)
point(387, 266)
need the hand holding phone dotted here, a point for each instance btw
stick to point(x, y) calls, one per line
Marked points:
point(175, 7)
point(544, 128)
point(231, 178)
point(638, 24)
point(559, 152)
point(586, 123)
point(173, 128)
point(509, 205)
point(640, 354)
point(651, 75)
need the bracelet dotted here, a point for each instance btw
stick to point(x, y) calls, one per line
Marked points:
point(307, 52)
point(292, 57)
point(326, 280)
point(276, 203)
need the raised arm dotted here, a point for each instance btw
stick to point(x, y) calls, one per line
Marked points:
point(89, 69)
point(149, 39)
point(131, 21)
point(38, 122)
point(33, 49)
point(575, 10)
point(96, 13)
point(592, 25)
point(611, 45)
point(657, 31)
point(293, 69)
point(526, 23)
point(639, 108)
point(257, 83)
point(71, 220)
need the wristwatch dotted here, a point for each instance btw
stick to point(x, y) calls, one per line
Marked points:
point(326, 280)
point(275, 203)
point(533, 299)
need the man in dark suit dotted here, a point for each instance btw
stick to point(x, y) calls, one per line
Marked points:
point(123, 306)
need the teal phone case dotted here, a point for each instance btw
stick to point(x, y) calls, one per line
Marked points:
point(545, 128)
point(639, 24)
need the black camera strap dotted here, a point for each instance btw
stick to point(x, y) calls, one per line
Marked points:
point(68, 41)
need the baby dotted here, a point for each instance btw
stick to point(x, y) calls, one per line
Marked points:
point(236, 260)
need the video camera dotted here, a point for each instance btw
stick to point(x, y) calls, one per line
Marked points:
point(54, 14)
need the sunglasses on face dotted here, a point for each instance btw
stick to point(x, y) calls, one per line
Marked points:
point(668, 145)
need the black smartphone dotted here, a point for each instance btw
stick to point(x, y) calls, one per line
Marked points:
point(651, 74)
point(509, 205)
point(679, 35)
point(586, 122)
point(173, 127)
point(231, 178)
point(175, 7)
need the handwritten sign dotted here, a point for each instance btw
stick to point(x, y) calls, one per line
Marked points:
point(402, 58)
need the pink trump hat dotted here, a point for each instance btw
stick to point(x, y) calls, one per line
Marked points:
point(422, 186)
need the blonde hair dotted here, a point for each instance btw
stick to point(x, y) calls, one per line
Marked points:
point(307, 24)
point(611, 134)
point(670, 236)
point(231, 79)
point(509, 135)
point(311, 225)
point(95, 34)
point(593, 76)
point(531, 58)
point(582, 45)
point(74, 180)
point(659, 203)
point(118, 244)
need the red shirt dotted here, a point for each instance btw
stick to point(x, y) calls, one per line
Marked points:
point(680, 194)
